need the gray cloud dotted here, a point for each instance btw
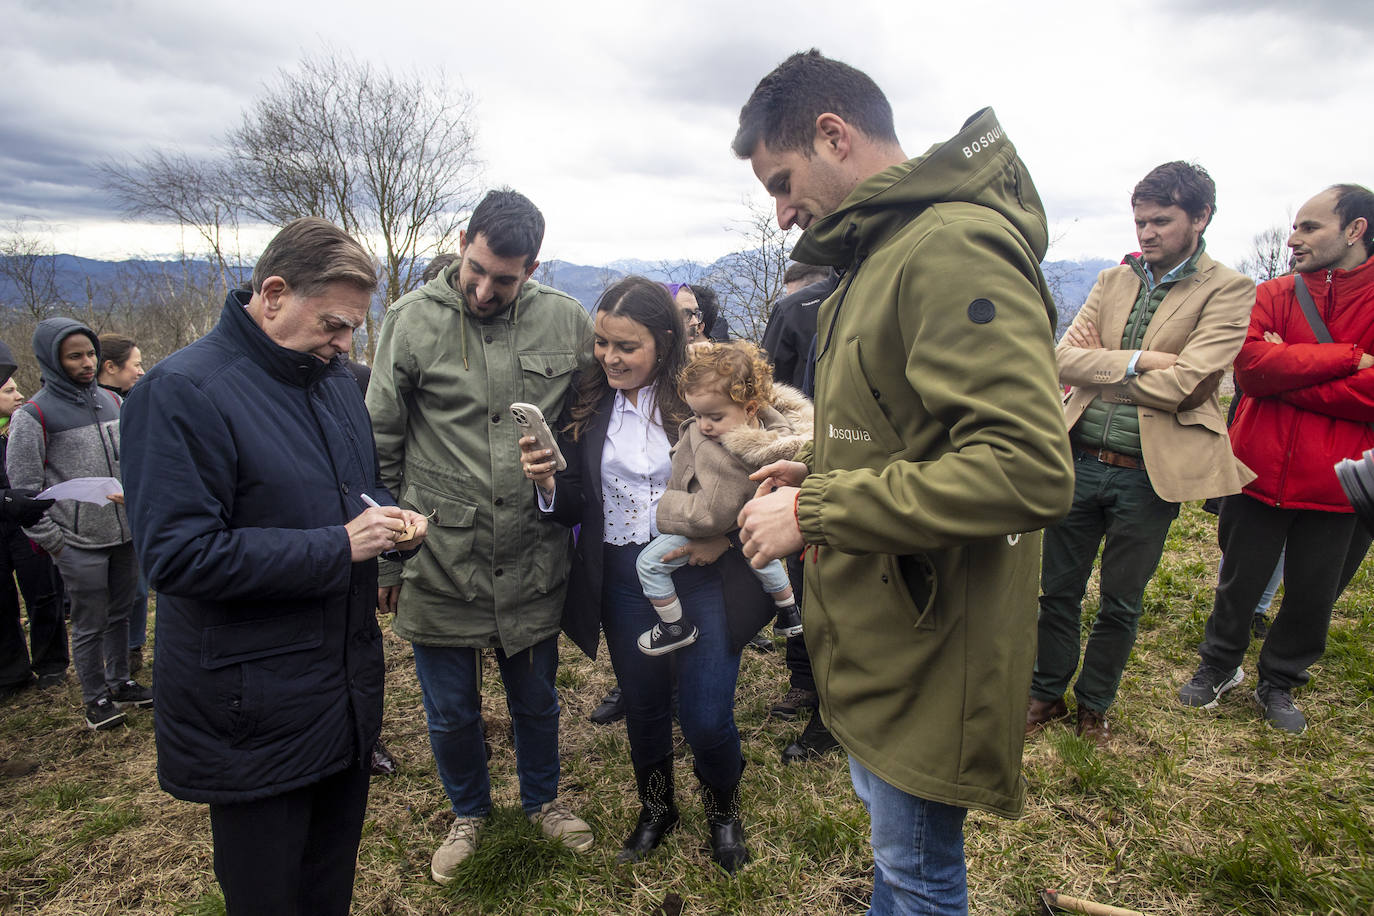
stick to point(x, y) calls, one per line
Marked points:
point(716, 69)
point(86, 82)
point(1323, 15)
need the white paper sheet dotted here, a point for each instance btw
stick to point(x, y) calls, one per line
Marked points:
point(85, 489)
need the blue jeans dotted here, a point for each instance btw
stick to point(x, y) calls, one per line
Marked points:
point(706, 670)
point(655, 573)
point(450, 678)
point(918, 850)
point(1271, 589)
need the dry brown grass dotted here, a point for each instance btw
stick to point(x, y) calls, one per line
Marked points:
point(1187, 813)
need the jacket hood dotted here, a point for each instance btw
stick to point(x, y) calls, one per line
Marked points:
point(442, 289)
point(787, 426)
point(47, 342)
point(7, 363)
point(978, 165)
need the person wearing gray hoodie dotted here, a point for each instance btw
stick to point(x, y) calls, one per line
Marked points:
point(70, 429)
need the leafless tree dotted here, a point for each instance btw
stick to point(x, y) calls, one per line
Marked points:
point(163, 305)
point(390, 158)
point(605, 277)
point(1269, 255)
point(547, 273)
point(750, 280)
point(28, 265)
point(200, 195)
point(688, 272)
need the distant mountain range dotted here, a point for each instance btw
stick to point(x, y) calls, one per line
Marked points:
point(77, 278)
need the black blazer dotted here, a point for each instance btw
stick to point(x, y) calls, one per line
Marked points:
point(578, 500)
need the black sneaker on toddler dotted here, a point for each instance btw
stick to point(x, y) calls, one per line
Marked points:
point(789, 621)
point(667, 637)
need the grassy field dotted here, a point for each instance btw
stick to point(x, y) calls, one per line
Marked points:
point(1188, 812)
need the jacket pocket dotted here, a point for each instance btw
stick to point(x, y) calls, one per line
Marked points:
point(228, 652)
point(545, 377)
point(916, 582)
point(444, 562)
point(550, 559)
point(1204, 416)
point(234, 643)
point(863, 399)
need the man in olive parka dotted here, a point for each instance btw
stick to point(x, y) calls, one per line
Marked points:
point(939, 452)
point(451, 358)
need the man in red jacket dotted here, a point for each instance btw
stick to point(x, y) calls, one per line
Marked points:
point(1307, 405)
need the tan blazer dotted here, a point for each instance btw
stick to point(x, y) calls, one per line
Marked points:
point(1203, 319)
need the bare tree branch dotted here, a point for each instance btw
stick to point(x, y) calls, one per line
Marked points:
point(1269, 256)
point(390, 158)
point(750, 280)
point(197, 194)
point(28, 262)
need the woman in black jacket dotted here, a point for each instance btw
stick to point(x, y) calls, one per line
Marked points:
point(621, 425)
point(38, 578)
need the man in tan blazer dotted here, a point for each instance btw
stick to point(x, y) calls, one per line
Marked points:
point(1144, 356)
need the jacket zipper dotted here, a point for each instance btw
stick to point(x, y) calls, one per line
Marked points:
point(106, 446)
point(835, 320)
point(1137, 335)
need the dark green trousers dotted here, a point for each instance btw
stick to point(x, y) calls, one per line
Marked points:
point(1117, 504)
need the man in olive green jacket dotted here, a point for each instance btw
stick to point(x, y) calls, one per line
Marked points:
point(451, 358)
point(939, 448)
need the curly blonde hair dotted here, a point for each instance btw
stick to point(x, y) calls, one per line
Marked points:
point(737, 369)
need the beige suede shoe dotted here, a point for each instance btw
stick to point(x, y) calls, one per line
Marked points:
point(457, 846)
point(559, 823)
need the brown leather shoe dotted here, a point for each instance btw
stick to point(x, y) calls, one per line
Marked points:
point(1093, 726)
point(1040, 713)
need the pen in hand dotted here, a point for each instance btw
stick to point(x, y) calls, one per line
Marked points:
point(392, 554)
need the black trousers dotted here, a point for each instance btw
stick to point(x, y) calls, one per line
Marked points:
point(798, 659)
point(1320, 547)
point(292, 854)
point(41, 586)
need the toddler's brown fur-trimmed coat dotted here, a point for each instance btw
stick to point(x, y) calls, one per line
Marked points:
point(710, 481)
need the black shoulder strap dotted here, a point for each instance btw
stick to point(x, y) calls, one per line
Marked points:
point(1309, 310)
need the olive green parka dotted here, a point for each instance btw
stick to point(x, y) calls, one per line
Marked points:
point(491, 572)
point(939, 452)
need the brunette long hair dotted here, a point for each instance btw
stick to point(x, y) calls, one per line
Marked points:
point(648, 303)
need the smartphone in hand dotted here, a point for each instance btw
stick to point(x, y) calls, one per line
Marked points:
point(531, 421)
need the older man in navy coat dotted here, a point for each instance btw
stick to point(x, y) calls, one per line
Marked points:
point(252, 486)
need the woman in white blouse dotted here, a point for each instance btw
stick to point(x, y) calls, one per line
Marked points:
point(620, 427)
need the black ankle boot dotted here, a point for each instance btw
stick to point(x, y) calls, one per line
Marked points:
point(657, 814)
point(727, 828)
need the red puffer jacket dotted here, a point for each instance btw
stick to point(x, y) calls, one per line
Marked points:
point(1307, 405)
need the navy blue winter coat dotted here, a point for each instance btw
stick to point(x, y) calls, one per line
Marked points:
point(243, 461)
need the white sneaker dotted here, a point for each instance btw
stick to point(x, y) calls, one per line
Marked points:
point(457, 846)
point(559, 823)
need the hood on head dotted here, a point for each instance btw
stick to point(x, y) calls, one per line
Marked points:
point(7, 363)
point(47, 343)
point(977, 165)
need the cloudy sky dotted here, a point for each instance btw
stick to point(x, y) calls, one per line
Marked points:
point(616, 118)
